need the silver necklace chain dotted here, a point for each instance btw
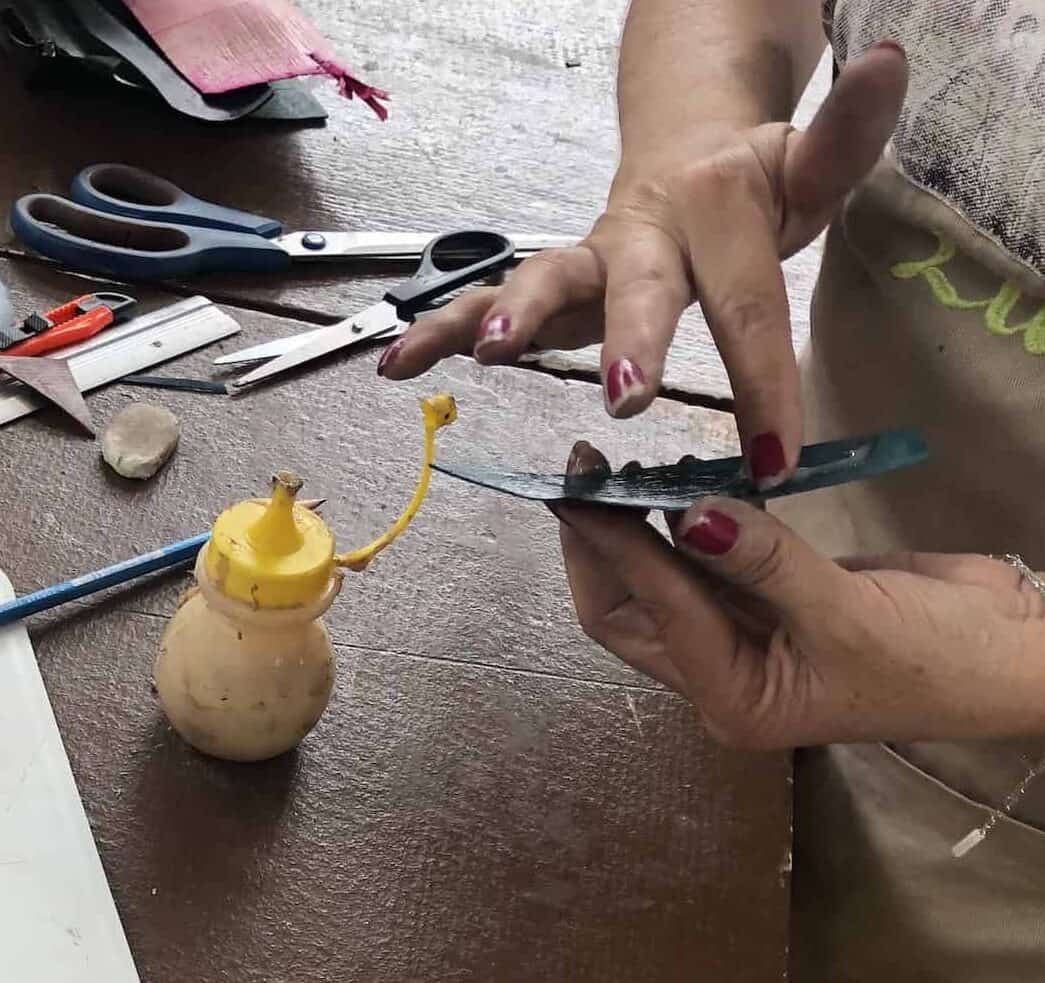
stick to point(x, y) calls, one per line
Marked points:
point(1034, 768)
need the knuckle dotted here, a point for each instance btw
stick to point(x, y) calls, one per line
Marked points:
point(554, 276)
point(554, 262)
point(727, 173)
point(593, 626)
point(639, 200)
point(646, 284)
point(749, 316)
point(772, 564)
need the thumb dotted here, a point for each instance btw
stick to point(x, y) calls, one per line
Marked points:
point(844, 141)
point(756, 552)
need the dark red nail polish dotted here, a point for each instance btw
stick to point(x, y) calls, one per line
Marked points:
point(713, 533)
point(493, 330)
point(768, 463)
point(623, 381)
point(390, 355)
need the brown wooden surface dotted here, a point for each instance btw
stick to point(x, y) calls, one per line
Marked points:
point(488, 127)
point(490, 796)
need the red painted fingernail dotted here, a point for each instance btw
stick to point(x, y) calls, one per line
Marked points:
point(494, 330)
point(390, 355)
point(768, 463)
point(624, 381)
point(713, 533)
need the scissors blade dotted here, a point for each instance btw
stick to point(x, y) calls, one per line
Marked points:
point(393, 245)
point(371, 323)
point(280, 346)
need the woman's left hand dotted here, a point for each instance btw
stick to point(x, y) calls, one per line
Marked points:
point(780, 647)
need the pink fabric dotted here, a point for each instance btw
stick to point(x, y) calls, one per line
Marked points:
point(220, 45)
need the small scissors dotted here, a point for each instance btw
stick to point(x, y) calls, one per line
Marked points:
point(440, 273)
point(128, 223)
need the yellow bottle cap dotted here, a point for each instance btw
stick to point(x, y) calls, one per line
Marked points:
point(271, 554)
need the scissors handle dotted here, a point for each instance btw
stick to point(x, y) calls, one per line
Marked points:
point(130, 191)
point(440, 270)
point(100, 242)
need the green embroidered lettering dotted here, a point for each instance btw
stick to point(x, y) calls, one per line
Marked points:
point(1034, 335)
point(945, 252)
point(997, 316)
point(943, 290)
point(997, 309)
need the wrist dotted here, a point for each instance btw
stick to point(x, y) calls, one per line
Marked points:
point(647, 163)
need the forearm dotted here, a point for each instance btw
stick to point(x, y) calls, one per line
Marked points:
point(689, 67)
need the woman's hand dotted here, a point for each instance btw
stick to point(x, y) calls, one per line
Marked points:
point(708, 218)
point(779, 647)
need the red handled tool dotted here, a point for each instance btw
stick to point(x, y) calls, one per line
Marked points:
point(75, 321)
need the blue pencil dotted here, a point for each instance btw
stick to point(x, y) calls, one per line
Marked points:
point(181, 554)
point(177, 556)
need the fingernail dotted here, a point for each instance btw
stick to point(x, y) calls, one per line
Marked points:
point(494, 330)
point(768, 463)
point(624, 381)
point(888, 44)
point(713, 533)
point(391, 353)
point(585, 459)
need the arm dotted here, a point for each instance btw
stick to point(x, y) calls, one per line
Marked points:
point(732, 64)
point(713, 191)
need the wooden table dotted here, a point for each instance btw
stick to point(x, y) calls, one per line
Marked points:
point(490, 796)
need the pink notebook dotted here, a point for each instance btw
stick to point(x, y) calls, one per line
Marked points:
point(220, 45)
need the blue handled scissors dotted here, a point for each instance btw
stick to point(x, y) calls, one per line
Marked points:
point(128, 223)
point(443, 269)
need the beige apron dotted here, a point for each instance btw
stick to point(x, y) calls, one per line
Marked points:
point(930, 312)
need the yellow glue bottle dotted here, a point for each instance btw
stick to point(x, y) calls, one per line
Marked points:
point(246, 668)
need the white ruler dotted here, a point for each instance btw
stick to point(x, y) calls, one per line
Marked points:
point(58, 922)
point(127, 348)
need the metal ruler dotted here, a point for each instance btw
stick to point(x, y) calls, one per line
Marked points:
point(126, 348)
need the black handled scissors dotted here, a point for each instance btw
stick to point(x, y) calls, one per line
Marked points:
point(441, 272)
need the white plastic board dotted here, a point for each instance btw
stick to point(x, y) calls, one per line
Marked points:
point(58, 922)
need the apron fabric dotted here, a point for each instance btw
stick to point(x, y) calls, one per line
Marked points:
point(930, 312)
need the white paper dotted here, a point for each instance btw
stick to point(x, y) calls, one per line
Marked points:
point(58, 922)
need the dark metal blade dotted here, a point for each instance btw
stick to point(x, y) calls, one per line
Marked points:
point(675, 487)
point(182, 385)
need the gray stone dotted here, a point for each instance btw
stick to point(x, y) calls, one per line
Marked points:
point(140, 439)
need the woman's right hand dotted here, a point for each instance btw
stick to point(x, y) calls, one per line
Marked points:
point(708, 220)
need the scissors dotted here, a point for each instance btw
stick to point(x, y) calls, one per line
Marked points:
point(128, 223)
point(440, 272)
